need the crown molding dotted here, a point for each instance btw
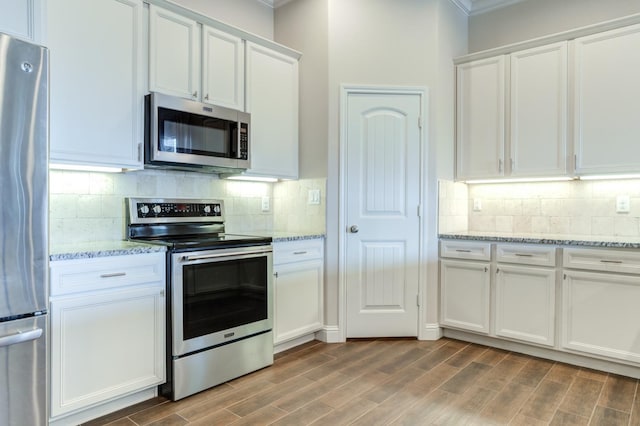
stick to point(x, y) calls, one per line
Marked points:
point(483, 6)
point(469, 7)
point(274, 3)
point(464, 5)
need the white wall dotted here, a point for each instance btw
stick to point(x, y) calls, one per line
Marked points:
point(302, 25)
point(370, 42)
point(536, 18)
point(249, 15)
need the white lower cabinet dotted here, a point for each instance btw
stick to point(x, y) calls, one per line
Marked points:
point(465, 286)
point(299, 288)
point(571, 304)
point(600, 309)
point(525, 293)
point(465, 295)
point(107, 338)
point(525, 303)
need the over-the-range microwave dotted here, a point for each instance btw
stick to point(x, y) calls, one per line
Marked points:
point(188, 135)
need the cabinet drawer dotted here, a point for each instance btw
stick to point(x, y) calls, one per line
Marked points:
point(526, 254)
point(297, 251)
point(609, 260)
point(472, 250)
point(76, 275)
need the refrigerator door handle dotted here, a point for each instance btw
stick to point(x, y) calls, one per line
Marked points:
point(20, 337)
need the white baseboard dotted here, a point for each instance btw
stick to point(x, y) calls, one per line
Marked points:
point(104, 409)
point(431, 332)
point(281, 347)
point(548, 353)
point(330, 334)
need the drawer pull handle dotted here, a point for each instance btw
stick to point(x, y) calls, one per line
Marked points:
point(299, 252)
point(523, 254)
point(463, 251)
point(610, 261)
point(113, 275)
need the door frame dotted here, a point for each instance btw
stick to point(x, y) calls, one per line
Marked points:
point(345, 91)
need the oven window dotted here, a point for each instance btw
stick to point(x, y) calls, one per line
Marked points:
point(188, 133)
point(223, 294)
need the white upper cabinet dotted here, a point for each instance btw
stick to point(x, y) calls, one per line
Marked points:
point(480, 118)
point(512, 115)
point(194, 61)
point(22, 19)
point(538, 112)
point(272, 100)
point(174, 54)
point(607, 102)
point(96, 89)
point(222, 68)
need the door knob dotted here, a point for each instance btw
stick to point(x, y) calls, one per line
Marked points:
point(354, 229)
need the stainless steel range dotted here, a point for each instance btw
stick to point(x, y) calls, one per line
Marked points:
point(220, 304)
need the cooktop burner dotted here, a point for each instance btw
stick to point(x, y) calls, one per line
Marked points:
point(183, 224)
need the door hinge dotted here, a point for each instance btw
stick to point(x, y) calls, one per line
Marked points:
point(419, 210)
point(420, 121)
point(139, 152)
point(418, 300)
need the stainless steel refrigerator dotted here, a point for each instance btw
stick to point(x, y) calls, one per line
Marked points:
point(24, 124)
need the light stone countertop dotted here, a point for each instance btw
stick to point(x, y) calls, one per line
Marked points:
point(100, 249)
point(119, 248)
point(294, 236)
point(560, 240)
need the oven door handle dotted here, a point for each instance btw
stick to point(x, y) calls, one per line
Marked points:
point(227, 254)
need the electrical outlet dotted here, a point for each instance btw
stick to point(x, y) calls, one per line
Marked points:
point(314, 196)
point(623, 204)
point(477, 204)
point(266, 204)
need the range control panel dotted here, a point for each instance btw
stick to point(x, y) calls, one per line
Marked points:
point(154, 210)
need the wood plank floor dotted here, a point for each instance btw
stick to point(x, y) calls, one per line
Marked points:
point(402, 382)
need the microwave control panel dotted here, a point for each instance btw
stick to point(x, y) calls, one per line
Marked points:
point(244, 141)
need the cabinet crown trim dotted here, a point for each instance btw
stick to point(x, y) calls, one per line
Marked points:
point(552, 38)
point(206, 20)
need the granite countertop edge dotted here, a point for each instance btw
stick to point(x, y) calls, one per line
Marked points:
point(278, 237)
point(122, 248)
point(101, 249)
point(613, 242)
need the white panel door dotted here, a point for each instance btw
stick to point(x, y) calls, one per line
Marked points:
point(538, 142)
point(382, 185)
point(607, 102)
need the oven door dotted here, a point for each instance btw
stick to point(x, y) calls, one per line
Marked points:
point(219, 296)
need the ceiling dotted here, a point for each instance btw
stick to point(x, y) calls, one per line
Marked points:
point(470, 7)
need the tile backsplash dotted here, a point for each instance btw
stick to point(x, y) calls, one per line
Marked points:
point(569, 208)
point(87, 206)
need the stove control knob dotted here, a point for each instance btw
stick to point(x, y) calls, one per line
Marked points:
point(157, 209)
point(144, 209)
point(216, 208)
point(207, 209)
